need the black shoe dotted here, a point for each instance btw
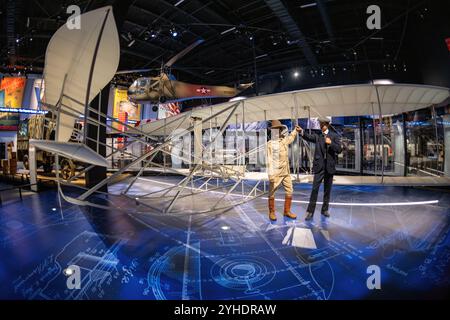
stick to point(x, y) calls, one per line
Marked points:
point(325, 214)
point(309, 216)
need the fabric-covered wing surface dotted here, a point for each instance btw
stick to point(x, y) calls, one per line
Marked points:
point(69, 56)
point(74, 151)
point(351, 100)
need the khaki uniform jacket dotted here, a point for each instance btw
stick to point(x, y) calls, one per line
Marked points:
point(278, 156)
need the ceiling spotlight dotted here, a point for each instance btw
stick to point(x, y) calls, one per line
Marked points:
point(274, 40)
point(174, 32)
point(296, 74)
point(150, 34)
point(17, 40)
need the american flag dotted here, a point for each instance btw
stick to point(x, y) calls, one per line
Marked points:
point(171, 109)
point(168, 110)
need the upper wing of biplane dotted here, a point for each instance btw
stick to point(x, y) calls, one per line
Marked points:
point(349, 100)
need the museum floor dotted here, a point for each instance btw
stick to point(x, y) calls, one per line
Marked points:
point(232, 256)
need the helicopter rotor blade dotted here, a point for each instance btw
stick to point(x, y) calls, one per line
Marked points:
point(183, 53)
point(168, 64)
point(137, 70)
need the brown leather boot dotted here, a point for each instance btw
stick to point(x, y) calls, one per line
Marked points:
point(287, 208)
point(272, 215)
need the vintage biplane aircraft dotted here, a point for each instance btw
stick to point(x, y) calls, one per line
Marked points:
point(92, 54)
point(164, 87)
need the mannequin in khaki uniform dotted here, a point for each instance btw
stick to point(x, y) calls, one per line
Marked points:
point(278, 167)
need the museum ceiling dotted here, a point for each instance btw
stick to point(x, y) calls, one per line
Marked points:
point(272, 35)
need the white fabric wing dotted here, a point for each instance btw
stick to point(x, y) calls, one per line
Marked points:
point(69, 56)
point(350, 100)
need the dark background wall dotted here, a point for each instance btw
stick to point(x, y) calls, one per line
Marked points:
point(426, 47)
point(421, 57)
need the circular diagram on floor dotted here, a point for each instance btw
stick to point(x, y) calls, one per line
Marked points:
point(245, 273)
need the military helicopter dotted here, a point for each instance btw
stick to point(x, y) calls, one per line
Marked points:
point(164, 88)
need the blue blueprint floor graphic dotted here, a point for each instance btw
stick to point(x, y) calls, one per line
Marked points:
point(231, 256)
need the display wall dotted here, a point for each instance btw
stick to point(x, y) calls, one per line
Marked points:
point(12, 89)
point(412, 144)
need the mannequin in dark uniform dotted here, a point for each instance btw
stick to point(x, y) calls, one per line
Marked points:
point(328, 146)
